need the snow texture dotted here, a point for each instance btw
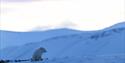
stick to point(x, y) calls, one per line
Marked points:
point(68, 46)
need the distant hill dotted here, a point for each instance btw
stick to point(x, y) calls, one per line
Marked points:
point(11, 38)
point(67, 43)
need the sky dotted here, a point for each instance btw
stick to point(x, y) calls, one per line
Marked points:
point(26, 15)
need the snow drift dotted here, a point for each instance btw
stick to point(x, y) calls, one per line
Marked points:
point(109, 42)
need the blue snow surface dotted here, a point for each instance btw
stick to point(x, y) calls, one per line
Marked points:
point(66, 45)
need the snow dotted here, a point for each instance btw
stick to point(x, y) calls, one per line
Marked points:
point(70, 46)
point(20, 38)
point(84, 59)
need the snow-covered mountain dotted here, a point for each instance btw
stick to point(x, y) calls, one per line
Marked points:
point(63, 43)
point(11, 38)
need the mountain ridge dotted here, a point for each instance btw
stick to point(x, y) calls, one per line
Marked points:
point(71, 44)
point(20, 37)
point(76, 44)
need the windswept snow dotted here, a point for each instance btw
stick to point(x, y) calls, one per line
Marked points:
point(84, 59)
point(103, 46)
point(9, 38)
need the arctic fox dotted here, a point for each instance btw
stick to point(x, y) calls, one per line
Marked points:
point(37, 56)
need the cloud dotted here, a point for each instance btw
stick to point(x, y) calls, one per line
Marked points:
point(17, 0)
point(82, 14)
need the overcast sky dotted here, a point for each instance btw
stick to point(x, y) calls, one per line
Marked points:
point(24, 15)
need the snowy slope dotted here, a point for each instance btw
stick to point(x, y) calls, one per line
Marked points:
point(119, 25)
point(84, 59)
point(109, 43)
point(10, 38)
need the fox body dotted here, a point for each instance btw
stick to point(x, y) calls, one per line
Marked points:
point(37, 56)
